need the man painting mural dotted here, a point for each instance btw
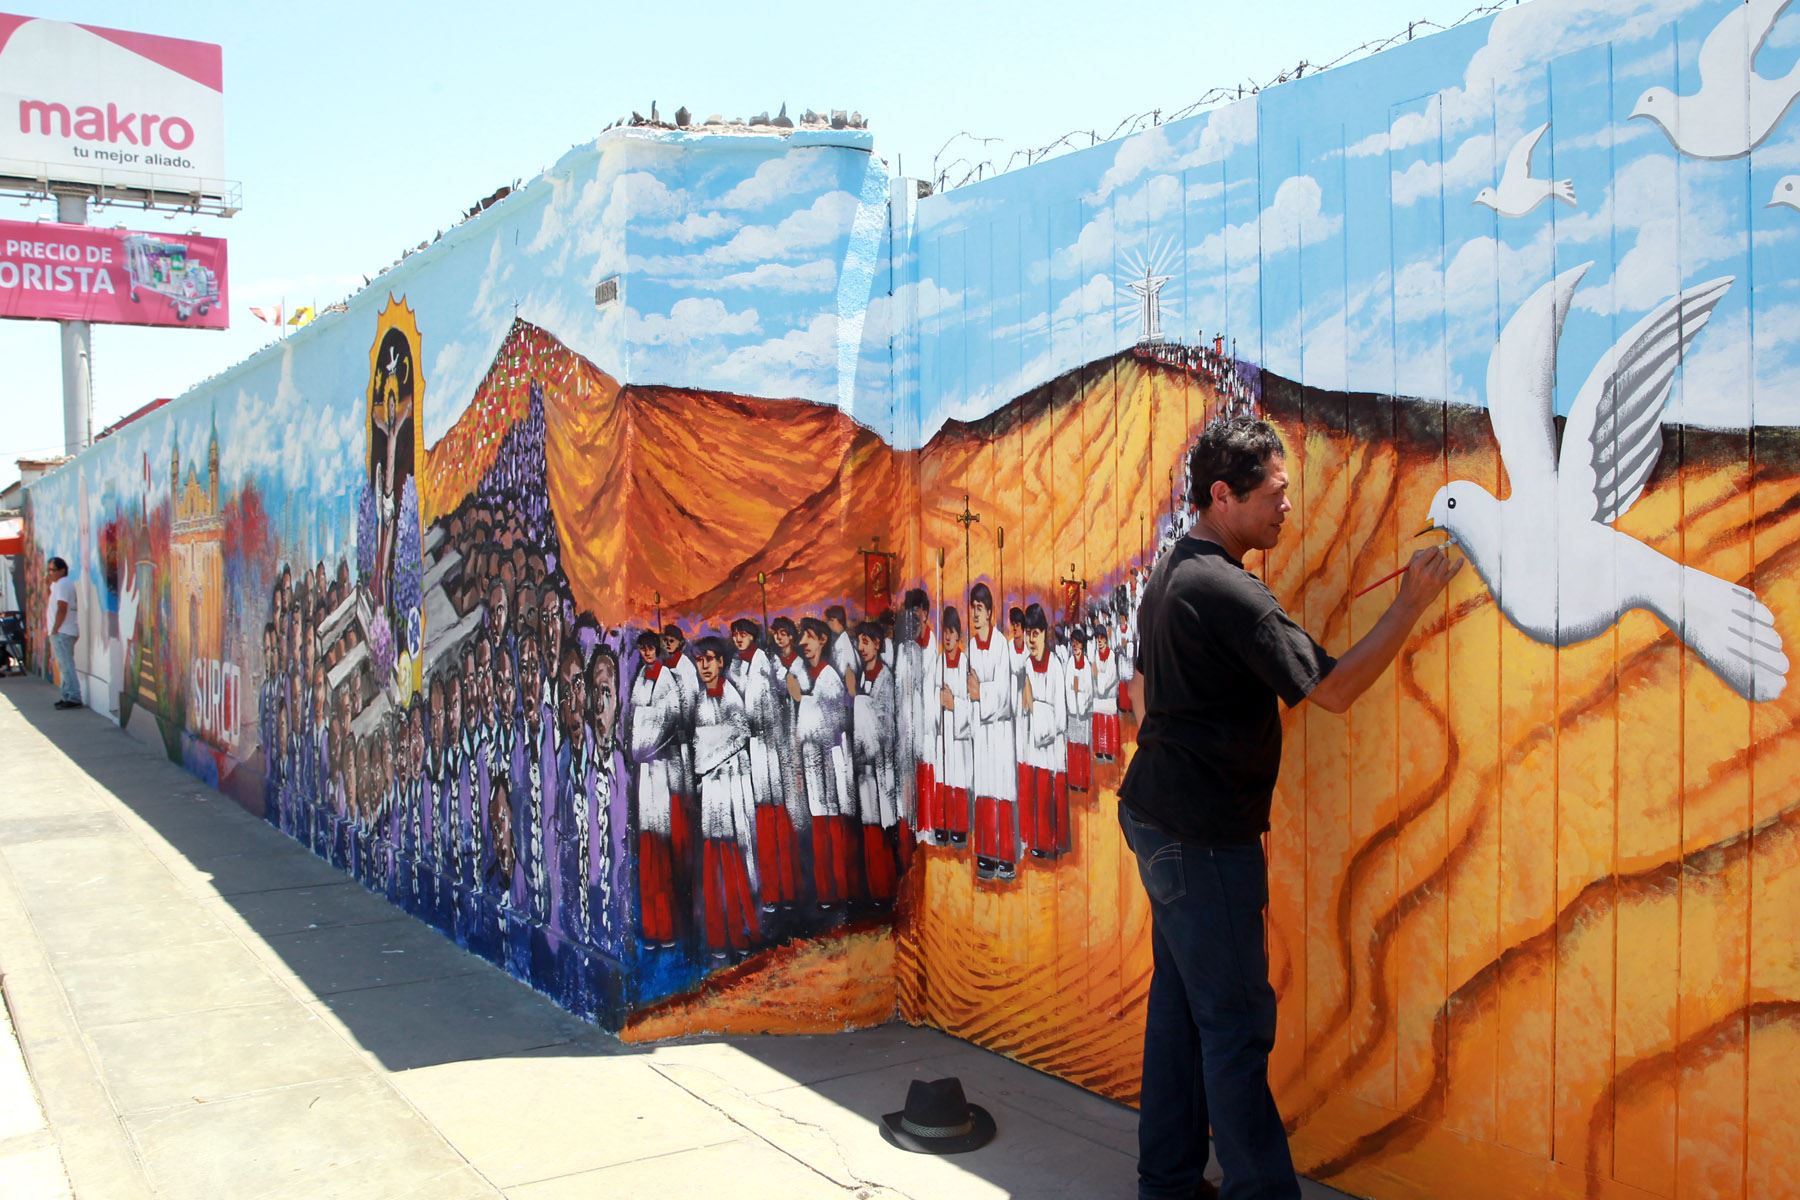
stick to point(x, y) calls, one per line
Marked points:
point(1216, 654)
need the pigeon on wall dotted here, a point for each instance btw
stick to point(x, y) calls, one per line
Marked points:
point(1787, 191)
point(1548, 552)
point(1518, 193)
point(1714, 122)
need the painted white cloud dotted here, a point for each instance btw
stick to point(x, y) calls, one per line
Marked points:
point(1503, 76)
point(922, 302)
point(690, 319)
point(645, 195)
point(1479, 274)
point(820, 275)
point(696, 227)
point(1677, 220)
point(823, 222)
point(1712, 388)
point(799, 363)
point(804, 231)
point(1294, 217)
point(794, 173)
point(1135, 155)
point(1468, 169)
point(1225, 129)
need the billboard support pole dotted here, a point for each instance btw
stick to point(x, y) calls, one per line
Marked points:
point(77, 347)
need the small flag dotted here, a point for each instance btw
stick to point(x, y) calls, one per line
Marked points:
point(302, 315)
point(271, 315)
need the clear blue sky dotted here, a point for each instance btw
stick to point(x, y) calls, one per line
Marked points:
point(361, 129)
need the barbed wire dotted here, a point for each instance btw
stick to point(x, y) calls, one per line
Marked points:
point(976, 170)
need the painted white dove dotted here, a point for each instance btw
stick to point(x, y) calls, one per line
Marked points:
point(1734, 108)
point(1787, 191)
point(1518, 192)
point(1548, 552)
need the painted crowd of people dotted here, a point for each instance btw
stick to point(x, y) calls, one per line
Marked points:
point(485, 800)
point(799, 765)
point(1236, 383)
point(767, 782)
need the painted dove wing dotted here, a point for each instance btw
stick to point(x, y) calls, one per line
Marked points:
point(1731, 48)
point(1518, 159)
point(1521, 387)
point(1517, 193)
point(1611, 444)
point(1724, 118)
point(1614, 433)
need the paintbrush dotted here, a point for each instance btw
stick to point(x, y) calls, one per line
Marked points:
point(1392, 575)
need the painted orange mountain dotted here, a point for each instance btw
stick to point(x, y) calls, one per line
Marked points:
point(718, 489)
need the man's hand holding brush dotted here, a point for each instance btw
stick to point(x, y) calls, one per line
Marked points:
point(1426, 574)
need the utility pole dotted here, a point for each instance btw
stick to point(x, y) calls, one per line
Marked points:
point(77, 346)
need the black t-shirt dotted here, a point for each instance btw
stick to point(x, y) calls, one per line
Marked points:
point(1215, 650)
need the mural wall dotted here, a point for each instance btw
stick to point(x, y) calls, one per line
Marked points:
point(1530, 283)
point(442, 598)
point(746, 647)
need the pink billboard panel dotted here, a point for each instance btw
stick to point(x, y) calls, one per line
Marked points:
point(52, 272)
point(85, 104)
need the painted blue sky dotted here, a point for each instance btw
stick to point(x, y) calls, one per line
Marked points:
point(1328, 226)
point(343, 166)
point(738, 261)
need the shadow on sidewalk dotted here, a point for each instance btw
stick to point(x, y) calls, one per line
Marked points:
point(423, 1007)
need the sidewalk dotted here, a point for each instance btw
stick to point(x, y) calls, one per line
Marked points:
point(209, 1011)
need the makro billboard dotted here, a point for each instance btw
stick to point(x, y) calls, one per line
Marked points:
point(84, 104)
point(111, 276)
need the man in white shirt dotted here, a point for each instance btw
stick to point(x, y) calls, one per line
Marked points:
point(65, 627)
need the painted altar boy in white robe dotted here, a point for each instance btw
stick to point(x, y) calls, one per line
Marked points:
point(822, 742)
point(996, 782)
point(918, 673)
point(652, 735)
point(1043, 722)
point(875, 724)
point(1080, 702)
point(727, 803)
point(1106, 695)
point(954, 794)
point(776, 871)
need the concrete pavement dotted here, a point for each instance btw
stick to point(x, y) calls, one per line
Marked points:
point(207, 1010)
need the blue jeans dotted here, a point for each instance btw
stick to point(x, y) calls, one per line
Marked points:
point(64, 645)
point(1210, 1023)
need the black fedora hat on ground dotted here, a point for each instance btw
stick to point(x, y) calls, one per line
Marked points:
point(938, 1119)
